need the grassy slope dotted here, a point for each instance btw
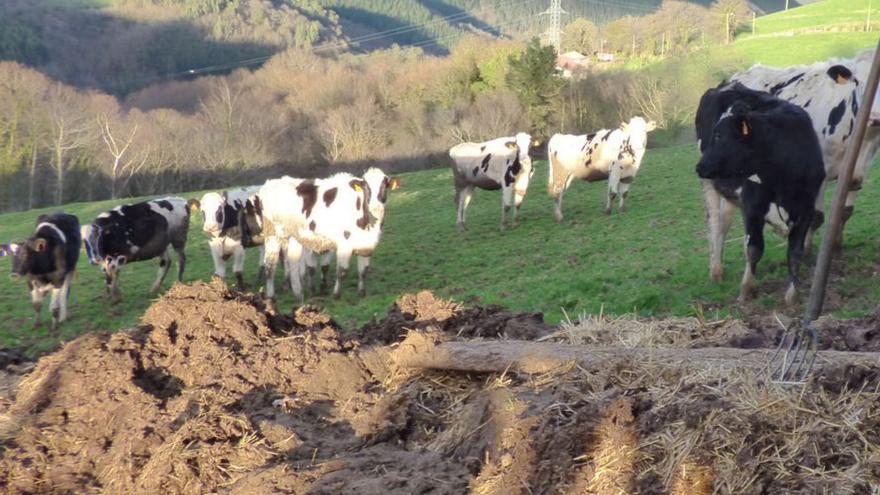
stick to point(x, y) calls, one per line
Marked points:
point(651, 259)
point(819, 15)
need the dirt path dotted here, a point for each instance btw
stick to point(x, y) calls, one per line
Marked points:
point(212, 394)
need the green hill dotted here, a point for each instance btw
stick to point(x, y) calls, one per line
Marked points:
point(821, 16)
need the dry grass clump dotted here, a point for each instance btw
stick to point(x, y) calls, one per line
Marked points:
point(629, 331)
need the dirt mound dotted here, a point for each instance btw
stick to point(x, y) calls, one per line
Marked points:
point(213, 394)
point(425, 310)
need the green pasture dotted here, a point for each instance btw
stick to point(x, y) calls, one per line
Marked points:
point(650, 260)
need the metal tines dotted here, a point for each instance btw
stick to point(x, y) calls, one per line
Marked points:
point(795, 356)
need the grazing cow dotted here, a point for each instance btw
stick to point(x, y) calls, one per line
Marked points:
point(614, 154)
point(502, 163)
point(232, 222)
point(138, 232)
point(48, 260)
point(831, 93)
point(768, 148)
point(318, 214)
point(380, 185)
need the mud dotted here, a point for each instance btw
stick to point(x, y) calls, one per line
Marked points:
point(212, 393)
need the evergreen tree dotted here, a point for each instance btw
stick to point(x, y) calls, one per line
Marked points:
point(534, 78)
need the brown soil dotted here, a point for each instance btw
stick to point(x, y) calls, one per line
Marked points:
point(214, 394)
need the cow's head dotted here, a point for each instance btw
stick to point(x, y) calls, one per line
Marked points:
point(24, 255)
point(214, 206)
point(862, 66)
point(110, 265)
point(728, 154)
point(380, 186)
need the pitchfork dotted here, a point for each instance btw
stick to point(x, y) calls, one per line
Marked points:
point(794, 358)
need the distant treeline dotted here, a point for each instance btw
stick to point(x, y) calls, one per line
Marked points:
point(308, 114)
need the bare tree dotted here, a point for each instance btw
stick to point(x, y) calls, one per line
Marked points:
point(117, 149)
point(70, 129)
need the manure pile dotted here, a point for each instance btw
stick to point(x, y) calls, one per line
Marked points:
point(213, 394)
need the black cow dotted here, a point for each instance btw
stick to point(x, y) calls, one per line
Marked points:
point(765, 148)
point(48, 260)
point(138, 232)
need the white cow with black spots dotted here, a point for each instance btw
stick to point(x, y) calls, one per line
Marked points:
point(609, 154)
point(380, 186)
point(232, 224)
point(831, 93)
point(318, 214)
point(501, 163)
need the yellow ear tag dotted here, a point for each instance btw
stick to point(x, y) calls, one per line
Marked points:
point(357, 187)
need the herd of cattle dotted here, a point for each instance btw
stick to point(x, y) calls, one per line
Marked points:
point(769, 139)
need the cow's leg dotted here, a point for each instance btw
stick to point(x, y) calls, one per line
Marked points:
point(164, 265)
point(343, 257)
point(363, 268)
point(325, 273)
point(65, 295)
point(613, 188)
point(216, 246)
point(557, 213)
point(55, 307)
point(261, 275)
point(623, 190)
point(310, 277)
point(181, 259)
point(506, 204)
point(270, 264)
point(712, 200)
point(294, 261)
point(796, 252)
point(754, 211)
point(463, 199)
point(818, 218)
point(37, 303)
point(238, 258)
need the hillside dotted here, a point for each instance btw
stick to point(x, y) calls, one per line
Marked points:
point(836, 15)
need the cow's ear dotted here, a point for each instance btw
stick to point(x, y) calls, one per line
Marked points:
point(840, 74)
point(652, 125)
point(624, 126)
point(394, 183)
point(120, 260)
point(194, 204)
point(40, 245)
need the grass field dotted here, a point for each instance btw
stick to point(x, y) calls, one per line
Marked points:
point(806, 48)
point(651, 260)
point(819, 16)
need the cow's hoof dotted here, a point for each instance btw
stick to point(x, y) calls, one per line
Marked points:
point(622, 209)
point(239, 282)
point(558, 217)
point(716, 274)
point(746, 294)
point(116, 299)
point(337, 295)
point(37, 324)
point(607, 211)
point(461, 228)
point(362, 292)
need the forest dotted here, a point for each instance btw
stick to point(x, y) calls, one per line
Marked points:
point(107, 125)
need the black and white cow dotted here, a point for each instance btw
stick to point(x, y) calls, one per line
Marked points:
point(831, 92)
point(138, 232)
point(320, 215)
point(380, 186)
point(502, 163)
point(767, 149)
point(609, 154)
point(48, 260)
point(232, 223)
